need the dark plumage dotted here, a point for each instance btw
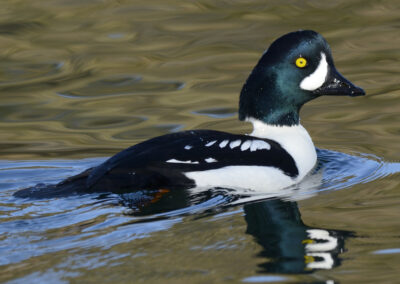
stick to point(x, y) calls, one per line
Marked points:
point(271, 98)
point(145, 166)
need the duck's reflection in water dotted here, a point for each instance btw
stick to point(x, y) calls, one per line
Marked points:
point(289, 245)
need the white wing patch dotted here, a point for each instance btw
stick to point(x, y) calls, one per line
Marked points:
point(209, 144)
point(317, 78)
point(246, 145)
point(188, 147)
point(259, 145)
point(255, 145)
point(210, 160)
point(181, 162)
point(235, 143)
point(223, 143)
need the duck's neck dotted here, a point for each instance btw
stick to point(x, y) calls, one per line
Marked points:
point(269, 97)
point(271, 112)
point(294, 139)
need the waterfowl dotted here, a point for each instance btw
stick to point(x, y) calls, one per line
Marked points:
point(296, 68)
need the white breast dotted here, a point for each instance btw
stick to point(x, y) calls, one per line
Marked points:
point(294, 139)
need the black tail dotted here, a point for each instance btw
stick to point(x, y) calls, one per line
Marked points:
point(71, 186)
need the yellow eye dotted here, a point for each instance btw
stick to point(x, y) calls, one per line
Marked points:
point(301, 62)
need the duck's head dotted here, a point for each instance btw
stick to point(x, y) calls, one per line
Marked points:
point(295, 69)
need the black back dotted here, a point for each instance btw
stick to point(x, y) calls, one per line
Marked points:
point(145, 165)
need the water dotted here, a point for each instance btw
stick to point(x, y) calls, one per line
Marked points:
point(81, 80)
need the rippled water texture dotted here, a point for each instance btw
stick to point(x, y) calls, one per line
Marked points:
point(81, 80)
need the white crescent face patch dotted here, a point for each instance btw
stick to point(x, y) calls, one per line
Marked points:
point(318, 77)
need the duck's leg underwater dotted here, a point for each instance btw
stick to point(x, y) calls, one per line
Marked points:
point(70, 186)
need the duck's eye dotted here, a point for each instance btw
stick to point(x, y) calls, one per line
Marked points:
point(301, 62)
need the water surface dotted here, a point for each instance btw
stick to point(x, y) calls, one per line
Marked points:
point(82, 80)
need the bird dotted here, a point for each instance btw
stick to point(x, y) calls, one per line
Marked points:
point(296, 68)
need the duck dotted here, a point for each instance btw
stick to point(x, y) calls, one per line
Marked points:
point(295, 69)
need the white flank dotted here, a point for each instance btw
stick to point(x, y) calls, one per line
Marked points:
point(294, 139)
point(209, 144)
point(223, 143)
point(181, 162)
point(188, 147)
point(210, 160)
point(235, 143)
point(259, 145)
point(317, 78)
point(254, 178)
point(246, 145)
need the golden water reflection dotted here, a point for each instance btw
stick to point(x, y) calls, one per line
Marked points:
point(102, 75)
point(85, 79)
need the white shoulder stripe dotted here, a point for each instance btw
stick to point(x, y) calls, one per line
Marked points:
point(259, 145)
point(246, 145)
point(235, 143)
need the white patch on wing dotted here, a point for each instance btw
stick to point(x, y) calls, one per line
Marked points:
point(210, 160)
point(259, 145)
point(254, 178)
point(223, 143)
point(209, 144)
point(235, 143)
point(246, 145)
point(317, 78)
point(188, 147)
point(181, 162)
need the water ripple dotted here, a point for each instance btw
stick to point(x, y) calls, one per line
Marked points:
point(120, 85)
point(100, 221)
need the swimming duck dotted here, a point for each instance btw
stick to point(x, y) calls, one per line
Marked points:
point(295, 69)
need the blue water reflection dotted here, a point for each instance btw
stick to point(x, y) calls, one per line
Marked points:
point(32, 228)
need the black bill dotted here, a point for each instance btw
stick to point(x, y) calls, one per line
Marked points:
point(337, 85)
